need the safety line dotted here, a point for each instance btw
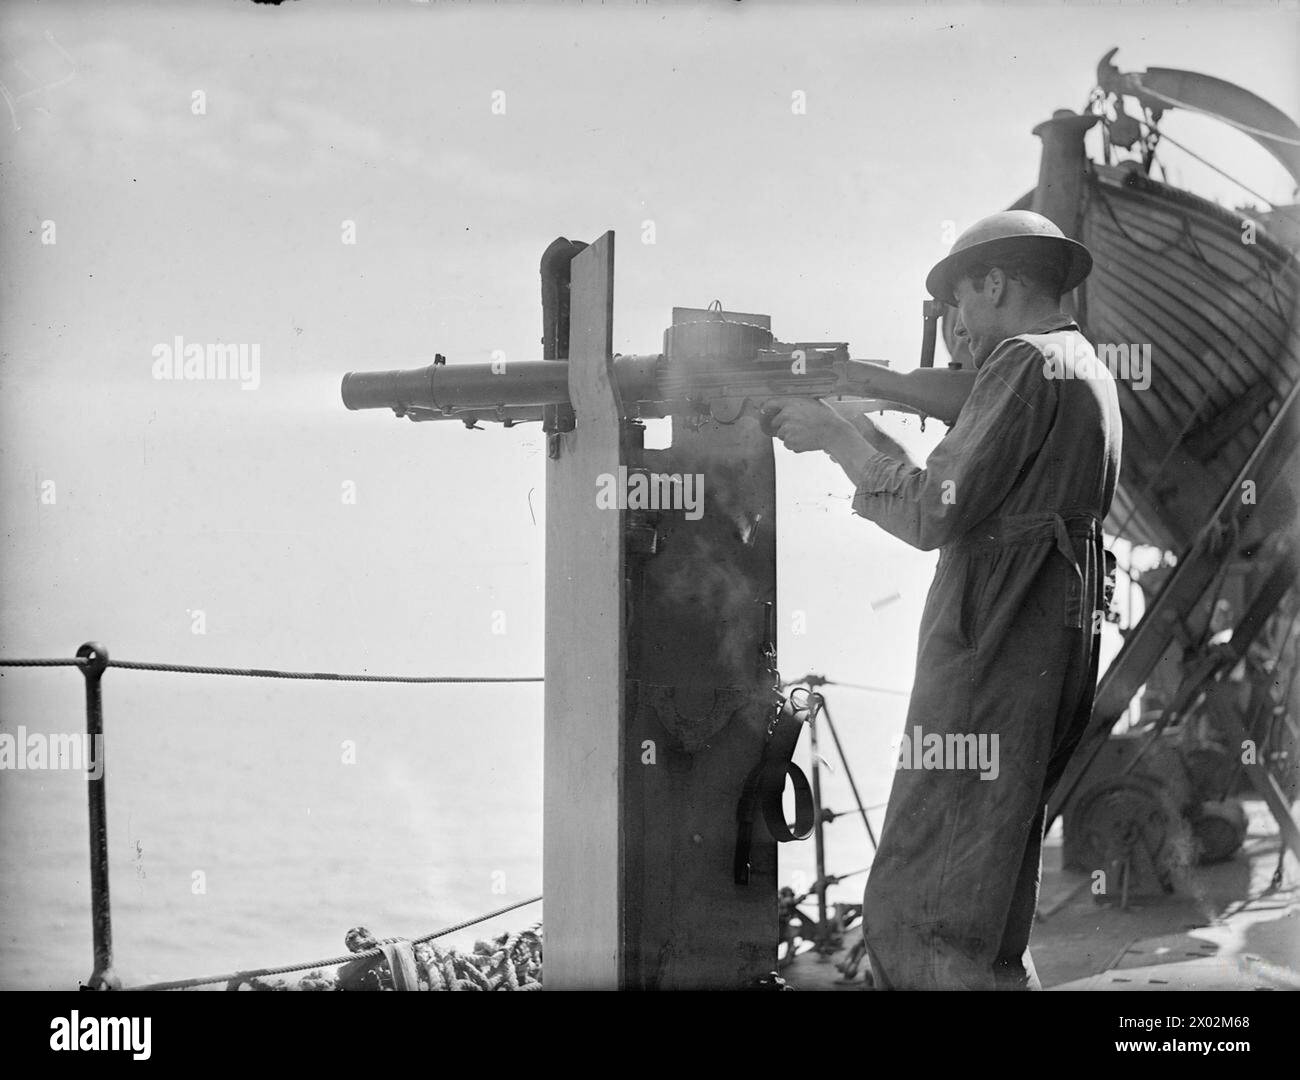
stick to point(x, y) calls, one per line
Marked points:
point(266, 673)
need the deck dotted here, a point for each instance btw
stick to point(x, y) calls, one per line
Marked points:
point(1223, 930)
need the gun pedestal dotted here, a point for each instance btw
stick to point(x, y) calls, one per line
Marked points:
point(659, 684)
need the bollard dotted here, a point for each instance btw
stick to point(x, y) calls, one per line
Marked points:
point(102, 977)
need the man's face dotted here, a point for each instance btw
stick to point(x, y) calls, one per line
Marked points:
point(977, 321)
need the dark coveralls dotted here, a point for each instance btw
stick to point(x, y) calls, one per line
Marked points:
point(1013, 498)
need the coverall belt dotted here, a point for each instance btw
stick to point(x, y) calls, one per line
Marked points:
point(1028, 528)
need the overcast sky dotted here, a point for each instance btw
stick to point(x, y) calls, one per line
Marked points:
point(226, 226)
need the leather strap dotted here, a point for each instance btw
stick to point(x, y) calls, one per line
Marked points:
point(765, 789)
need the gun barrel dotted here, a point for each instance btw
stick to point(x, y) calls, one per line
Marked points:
point(387, 389)
point(454, 388)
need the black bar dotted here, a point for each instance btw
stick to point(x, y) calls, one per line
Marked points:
point(102, 977)
point(930, 312)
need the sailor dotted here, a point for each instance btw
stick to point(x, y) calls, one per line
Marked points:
point(1013, 498)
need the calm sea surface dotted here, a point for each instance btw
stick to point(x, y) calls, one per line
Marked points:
point(239, 836)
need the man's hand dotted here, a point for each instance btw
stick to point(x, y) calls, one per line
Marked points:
point(873, 434)
point(804, 424)
point(863, 424)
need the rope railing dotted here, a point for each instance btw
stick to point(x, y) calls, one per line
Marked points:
point(93, 660)
point(269, 673)
point(513, 962)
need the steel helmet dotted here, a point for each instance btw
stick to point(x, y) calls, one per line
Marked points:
point(1019, 232)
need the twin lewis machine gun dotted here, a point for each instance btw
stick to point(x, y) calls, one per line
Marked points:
point(667, 735)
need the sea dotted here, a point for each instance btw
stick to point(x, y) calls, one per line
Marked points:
point(253, 822)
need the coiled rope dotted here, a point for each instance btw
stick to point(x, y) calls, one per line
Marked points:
point(236, 978)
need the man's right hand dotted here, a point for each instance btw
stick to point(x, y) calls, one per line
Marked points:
point(804, 424)
point(852, 412)
point(871, 432)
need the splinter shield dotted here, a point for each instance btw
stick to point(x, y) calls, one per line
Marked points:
point(659, 618)
point(582, 880)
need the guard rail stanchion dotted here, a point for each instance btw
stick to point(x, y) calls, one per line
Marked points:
point(102, 977)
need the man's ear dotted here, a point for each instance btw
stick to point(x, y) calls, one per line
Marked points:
point(995, 286)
